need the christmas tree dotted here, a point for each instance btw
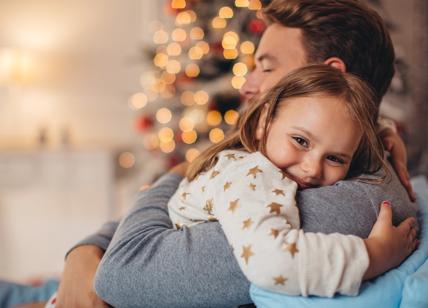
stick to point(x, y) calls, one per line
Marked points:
point(190, 97)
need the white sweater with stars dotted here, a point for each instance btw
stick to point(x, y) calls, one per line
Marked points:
point(255, 205)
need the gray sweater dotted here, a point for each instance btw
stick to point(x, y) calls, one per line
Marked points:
point(148, 264)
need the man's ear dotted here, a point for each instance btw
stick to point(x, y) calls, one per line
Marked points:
point(336, 63)
point(262, 122)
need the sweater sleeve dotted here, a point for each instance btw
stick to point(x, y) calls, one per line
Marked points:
point(151, 265)
point(255, 204)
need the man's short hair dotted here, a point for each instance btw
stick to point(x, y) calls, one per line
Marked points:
point(347, 29)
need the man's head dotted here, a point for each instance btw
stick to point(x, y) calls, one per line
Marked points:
point(342, 33)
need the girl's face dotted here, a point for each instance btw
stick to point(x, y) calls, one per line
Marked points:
point(312, 139)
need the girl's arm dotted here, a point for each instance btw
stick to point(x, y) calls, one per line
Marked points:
point(260, 220)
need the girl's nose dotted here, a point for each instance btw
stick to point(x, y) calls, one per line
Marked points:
point(312, 167)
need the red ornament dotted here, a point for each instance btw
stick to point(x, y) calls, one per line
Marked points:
point(173, 160)
point(256, 26)
point(143, 123)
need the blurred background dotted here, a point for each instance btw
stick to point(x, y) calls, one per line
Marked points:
point(98, 98)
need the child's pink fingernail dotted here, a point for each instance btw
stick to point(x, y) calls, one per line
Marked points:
point(386, 203)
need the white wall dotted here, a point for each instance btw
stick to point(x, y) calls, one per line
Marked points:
point(87, 63)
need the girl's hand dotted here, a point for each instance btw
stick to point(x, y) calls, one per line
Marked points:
point(387, 245)
point(395, 145)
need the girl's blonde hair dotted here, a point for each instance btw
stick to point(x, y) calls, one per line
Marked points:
point(310, 80)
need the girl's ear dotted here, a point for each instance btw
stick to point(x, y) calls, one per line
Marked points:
point(336, 63)
point(261, 123)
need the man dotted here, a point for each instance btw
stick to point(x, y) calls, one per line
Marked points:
point(194, 267)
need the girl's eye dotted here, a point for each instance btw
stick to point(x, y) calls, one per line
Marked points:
point(335, 159)
point(301, 141)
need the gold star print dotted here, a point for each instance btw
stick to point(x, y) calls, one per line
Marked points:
point(275, 208)
point(212, 218)
point(203, 188)
point(209, 205)
point(284, 175)
point(278, 192)
point(247, 223)
point(254, 171)
point(182, 208)
point(279, 280)
point(231, 156)
point(246, 253)
point(227, 185)
point(252, 186)
point(178, 226)
point(214, 174)
point(292, 248)
point(233, 205)
point(274, 232)
point(184, 195)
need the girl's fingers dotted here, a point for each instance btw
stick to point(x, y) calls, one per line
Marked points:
point(385, 212)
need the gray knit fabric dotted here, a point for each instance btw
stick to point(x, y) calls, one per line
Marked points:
point(148, 264)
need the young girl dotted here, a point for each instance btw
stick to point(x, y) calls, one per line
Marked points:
point(316, 127)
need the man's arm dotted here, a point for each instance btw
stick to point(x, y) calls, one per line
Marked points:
point(150, 264)
point(351, 207)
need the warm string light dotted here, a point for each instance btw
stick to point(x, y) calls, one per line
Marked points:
point(126, 160)
point(213, 118)
point(231, 117)
point(189, 137)
point(255, 5)
point(218, 23)
point(225, 12)
point(172, 45)
point(191, 154)
point(163, 115)
point(201, 97)
point(196, 33)
point(178, 4)
point(242, 3)
point(138, 101)
point(216, 135)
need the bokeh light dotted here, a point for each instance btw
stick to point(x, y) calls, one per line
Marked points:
point(166, 134)
point(189, 137)
point(239, 69)
point(186, 124)
point(173, 67)
point(201, 97)
point(231, 117)
point(178, 4)
point(163, 115)
point(160, 37)
point(167, 146)
point(237, 82)
point(247, 47)
point(216, 135)
point(195, 53)
point(214, 118)
point(138, 101)
point(218, 23)
point(242, 3)
point(191, 154)
point(186, 98)
point(225, 12)
point(173, 49)
point(192, 70)
point(230, 54)
point(160, 60)
point(196, 33)
point(179, 35)
point(126, 160)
